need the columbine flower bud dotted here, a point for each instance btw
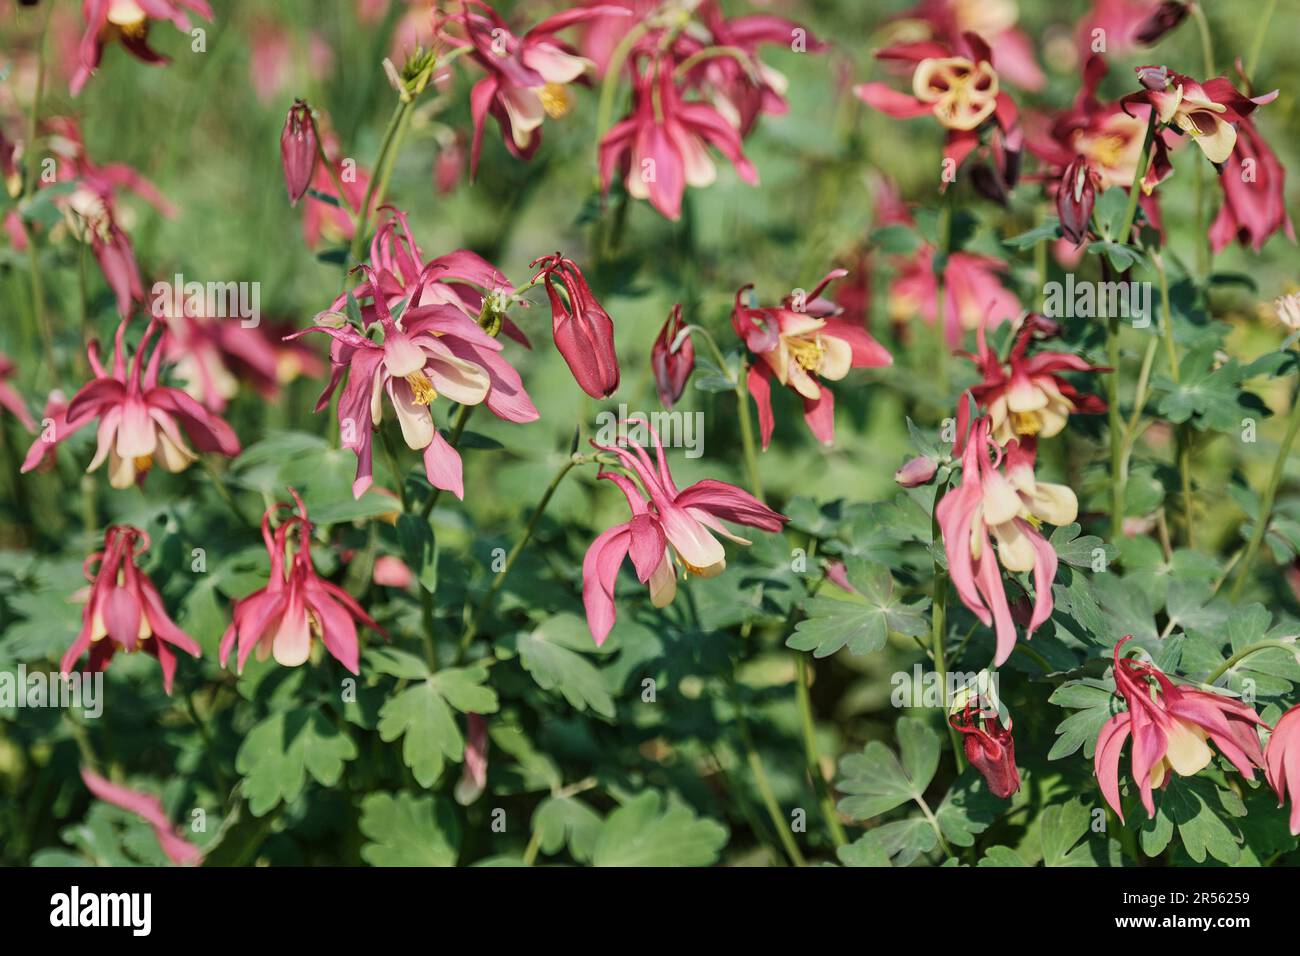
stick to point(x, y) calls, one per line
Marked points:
point(989, 747)
point(672, 360)
point(298, 150)
point(1165, 17)
point(918, 471)
point(1075, 198)
point(583, 331)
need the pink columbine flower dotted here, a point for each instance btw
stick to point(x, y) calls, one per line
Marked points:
point(583, 330)
point(140, 421)
point(1170, 726)
point(298, 150)
point(1025, 396)
point(671, 526)
point(296, 606)
point(803, 344)
point(527, 76)
point(1282, 763)
point(125, 611)
point(957, 85)
point(992, 506)
point(149, 809)
point(128, 22)
point(661, 146)
point(9, 397)
point(91, 208)
point(459, 278)
point(989, 747)
point(432, 350)
point(671, 360)
point(742, 91)
point(1254, 195)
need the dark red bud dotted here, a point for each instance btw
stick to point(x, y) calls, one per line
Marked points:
point(1075, 198)
point(990, 749)
point(1166, 16)
point(298, 150)
point(672, 367)
point(583, 331)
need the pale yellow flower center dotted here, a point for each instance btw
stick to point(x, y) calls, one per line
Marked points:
point(421, 387)
point(556, 99)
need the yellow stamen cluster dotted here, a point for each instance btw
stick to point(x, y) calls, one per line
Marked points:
point(556, 100)
point(1026, 423)
point(806, 352)
point(143, 462)
point(421, 388)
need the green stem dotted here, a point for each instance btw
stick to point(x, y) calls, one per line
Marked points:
point(613, 69)
point(391, 457)
point(396, 121)
point(938, 629)
point(472, 628)
point(1270, 492)
point(941, 293)
point(1257, 44)
point(1207, 44)
point(1245, 652)
point(934, 824)
point(810, 752)
point(209, 745)
point(1183, 434)
point(1115, 420)
point(712, 52)
point(755, 762)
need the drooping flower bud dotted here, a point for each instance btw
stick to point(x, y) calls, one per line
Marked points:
point(1075, 198)
point(671, 360)
point(989, 747)
point(1163, 19)
point(298, 150)
point(918, 471)
point(473, 777)
point(583, 331)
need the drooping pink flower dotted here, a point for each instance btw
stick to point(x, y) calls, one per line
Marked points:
point(140, 421)
point(989, 748)
point(149, 809)
point(1170, 727)
point(583, 330)
point(128, 22)
point(661, 147)
point(957, 85)
point(392, 572)
point(527, 76)
point(989, 506)
point(671, 526)
point(803, 344)
point(432, 350)
point(298, 150)
point(91, 208)
point(125, 611)
point(1254, 194)
point(1282, 763)
point(1025, 395)
point(1123, 26)
point(672, 361)
point(974, 296)
point(9, 397)
point(297, 605)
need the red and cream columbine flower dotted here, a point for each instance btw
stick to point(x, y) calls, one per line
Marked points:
point(959, 87)
point(1282, 763)
point(1006, 507)
point(1025, 395)
point(124, 611)
point(803, 345)
point(297, 606)
point(128, 22)
point(141, 423)
point(432, 350)
point(672, 527)
point(1172, 728)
